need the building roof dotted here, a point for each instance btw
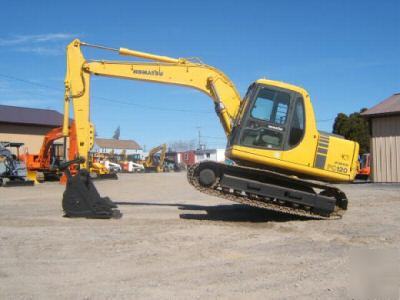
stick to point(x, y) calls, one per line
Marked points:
point(32, 116)
point(117, 144)
point(389, 106)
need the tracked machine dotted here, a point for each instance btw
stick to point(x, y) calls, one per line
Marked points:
point(282, 162)
point(45, 164)
point(154, 162)
point(99, 171)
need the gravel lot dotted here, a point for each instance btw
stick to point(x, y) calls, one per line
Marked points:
point(174, 242)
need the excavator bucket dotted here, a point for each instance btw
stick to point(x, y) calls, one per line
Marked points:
point(81, 198)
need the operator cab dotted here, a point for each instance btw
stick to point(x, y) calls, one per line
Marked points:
point(273, 118)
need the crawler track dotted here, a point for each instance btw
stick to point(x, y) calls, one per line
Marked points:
point(270, 203)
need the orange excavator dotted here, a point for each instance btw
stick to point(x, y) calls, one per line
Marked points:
point(44, 166)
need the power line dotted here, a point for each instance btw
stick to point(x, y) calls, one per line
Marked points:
point(29, 82)
point(214, 137)
point(107, 98)
point(124, 102)
point(111, 100)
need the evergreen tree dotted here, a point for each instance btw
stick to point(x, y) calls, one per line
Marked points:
point(117, 133)
point(353, 127)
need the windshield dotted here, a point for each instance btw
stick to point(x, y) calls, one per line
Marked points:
point(266, 122)
point(271, 106)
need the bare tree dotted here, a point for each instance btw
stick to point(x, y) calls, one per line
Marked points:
point(182, 145)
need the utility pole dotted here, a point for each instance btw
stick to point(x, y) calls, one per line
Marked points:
point(199, 136)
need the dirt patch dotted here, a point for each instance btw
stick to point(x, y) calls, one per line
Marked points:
point(174, 242)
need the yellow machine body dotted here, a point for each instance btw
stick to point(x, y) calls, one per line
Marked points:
point(98, 168)
point(317, 155)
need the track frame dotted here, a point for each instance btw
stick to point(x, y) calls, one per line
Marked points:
point(269, 190)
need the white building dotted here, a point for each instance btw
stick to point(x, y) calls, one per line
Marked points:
point(117, 147)
point(210, 154)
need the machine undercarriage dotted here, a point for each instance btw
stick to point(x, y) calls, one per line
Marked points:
point(268, 190)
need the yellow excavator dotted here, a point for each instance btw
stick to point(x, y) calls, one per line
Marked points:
point(98, 170)
point(281, 161)
point(155, 160)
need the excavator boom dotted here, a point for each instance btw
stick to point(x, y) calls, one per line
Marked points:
point(162, 70)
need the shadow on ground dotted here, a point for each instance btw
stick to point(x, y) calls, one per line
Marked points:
point(228, 213)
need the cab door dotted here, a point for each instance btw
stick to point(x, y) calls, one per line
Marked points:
point(302, 137)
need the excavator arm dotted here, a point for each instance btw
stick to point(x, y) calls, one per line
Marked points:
point(162, 69)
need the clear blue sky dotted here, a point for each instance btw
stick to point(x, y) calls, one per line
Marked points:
point(345, 53)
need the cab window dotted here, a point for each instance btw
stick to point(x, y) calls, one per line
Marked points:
point(265, 126)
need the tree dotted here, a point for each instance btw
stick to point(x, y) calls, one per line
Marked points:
point(181, 145)
point(117, 133)
point(353, 127)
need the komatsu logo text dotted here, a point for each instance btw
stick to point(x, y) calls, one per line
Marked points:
point(148, 72)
